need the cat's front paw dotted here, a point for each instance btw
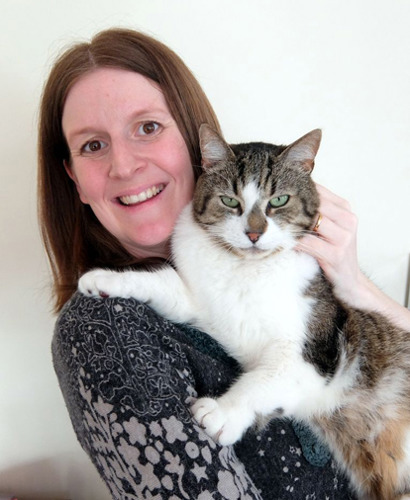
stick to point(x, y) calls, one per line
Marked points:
point(223, 421)
point(102, 283)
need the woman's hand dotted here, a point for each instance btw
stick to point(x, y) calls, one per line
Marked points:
point(334, 245)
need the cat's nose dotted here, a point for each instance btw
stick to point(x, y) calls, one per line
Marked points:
point(254, 237)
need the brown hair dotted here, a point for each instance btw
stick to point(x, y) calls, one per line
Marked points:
point(74, 239)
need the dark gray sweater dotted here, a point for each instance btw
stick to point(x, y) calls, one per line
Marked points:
point(128, 377)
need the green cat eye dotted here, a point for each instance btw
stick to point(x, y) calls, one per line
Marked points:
point(230, 202)
point(279, 201)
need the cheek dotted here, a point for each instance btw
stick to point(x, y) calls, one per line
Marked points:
point(276, 236)
point(175, 154)
point(232, 230)
point(183, 173)
point(90, 185)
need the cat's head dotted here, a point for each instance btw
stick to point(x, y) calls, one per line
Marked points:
point(256, 198)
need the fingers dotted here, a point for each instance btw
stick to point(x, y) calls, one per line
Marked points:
point(340, 230)
point(336, 209)
point(333, 243)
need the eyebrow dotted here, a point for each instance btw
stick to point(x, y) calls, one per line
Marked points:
point(137, 114)
point(80, 132)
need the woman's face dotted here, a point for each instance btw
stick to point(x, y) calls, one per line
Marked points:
point(128, 158)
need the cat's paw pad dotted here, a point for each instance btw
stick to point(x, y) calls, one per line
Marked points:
point(225, 423)
point(101, 283)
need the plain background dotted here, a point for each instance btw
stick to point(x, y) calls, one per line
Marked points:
point(273, 70)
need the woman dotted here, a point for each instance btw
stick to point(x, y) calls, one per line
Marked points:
point(118, 139)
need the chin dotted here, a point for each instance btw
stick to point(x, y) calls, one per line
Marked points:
point(149, 246)
point(254, 253)
point(153, 234)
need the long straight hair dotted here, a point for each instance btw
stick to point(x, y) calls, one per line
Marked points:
point(74, 239)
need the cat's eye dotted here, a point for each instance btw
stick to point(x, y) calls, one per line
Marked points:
point(229, 202)
point(279, 201)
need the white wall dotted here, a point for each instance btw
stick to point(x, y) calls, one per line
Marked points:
point(274, 69)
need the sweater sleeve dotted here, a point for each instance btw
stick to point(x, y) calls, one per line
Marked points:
point(128, 381)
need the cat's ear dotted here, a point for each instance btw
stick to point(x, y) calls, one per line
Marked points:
point(304, 150)
point(213, 148)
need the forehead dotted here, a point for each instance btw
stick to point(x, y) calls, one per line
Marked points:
point(109, 79)
point(110, 90)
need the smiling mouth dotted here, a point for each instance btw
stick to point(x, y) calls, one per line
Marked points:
point(135, 199)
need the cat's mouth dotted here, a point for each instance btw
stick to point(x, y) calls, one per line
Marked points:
point(255, 253)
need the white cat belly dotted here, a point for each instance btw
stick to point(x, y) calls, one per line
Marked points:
point(228, 292)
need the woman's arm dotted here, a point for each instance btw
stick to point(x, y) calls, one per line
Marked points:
point(128, 381)
point(335, 247)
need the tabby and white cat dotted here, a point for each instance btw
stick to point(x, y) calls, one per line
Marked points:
point(304, 353)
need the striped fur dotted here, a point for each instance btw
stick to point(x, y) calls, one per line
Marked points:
point(363, 358)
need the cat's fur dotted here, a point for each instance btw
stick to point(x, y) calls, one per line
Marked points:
point(304, 353)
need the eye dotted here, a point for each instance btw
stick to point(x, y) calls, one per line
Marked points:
point(279, 201)
point(148, 128)
point(229, 202)
point(94, 146)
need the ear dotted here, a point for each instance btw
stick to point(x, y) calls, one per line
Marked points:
point(73, 177)
point(213, 148)
point(304, 150)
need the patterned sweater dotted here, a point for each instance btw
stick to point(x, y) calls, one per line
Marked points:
point(129, 376)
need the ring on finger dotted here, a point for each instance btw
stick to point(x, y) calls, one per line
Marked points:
point(318, 222)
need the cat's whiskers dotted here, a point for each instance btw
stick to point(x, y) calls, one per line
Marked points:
point(308, 232)
point(315, 253)
point(217, 238)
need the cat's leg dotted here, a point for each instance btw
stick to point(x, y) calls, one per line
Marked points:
point(273, 388)
point(163, 290)
point(223, 421)
point(229, 416)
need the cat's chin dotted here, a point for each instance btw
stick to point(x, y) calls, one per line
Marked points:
point(254, 253)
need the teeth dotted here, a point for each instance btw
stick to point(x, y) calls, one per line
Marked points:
point(143, 196)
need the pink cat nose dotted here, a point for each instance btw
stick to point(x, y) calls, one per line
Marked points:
point(254, 237)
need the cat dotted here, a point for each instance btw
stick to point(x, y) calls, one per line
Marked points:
point(304, 353)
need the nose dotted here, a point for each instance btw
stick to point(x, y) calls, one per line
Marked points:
point(125, 159)
point(254, 237)
point(256, 224)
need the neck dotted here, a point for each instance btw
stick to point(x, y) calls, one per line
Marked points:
point(161, 251)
